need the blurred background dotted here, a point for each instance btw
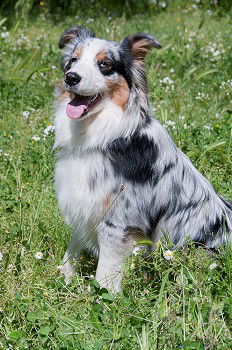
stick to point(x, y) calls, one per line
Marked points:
point(27, 8)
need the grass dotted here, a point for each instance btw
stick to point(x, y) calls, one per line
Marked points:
point(183, 303)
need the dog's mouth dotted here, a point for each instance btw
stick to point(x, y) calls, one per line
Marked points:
point(79, 106)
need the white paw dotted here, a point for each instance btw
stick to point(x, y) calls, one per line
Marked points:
point(68, 271)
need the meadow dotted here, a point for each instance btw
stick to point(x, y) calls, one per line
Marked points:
point(182, 302)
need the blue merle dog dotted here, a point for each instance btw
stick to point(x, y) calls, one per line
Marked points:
point(118, 172)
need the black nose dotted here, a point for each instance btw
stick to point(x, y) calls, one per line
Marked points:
point(72, 78)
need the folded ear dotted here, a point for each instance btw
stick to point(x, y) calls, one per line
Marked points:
point(74, 32)
point(140, 44)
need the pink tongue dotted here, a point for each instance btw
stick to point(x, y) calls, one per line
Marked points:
point(76, 107)
point(74, 112)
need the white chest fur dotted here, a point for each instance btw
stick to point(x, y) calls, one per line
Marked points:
point(84, 184)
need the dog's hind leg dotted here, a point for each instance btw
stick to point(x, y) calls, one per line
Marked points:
point(113, 248)
point(73, 250)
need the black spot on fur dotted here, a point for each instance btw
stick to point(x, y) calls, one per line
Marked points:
point(192, 204)
point(121, 66)
point(153, 202)
point(155, 178)
point(132, 229)
point(153, 220)
point(92, 183)
point(167, 168)
point(109, 224)
point(212, 231)
point(176, 189)
point(127, 203)
point(116, 190)
point(134, 158)
point(183, 174)
point(147, 118)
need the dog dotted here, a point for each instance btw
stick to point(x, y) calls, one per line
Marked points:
point(118, 173)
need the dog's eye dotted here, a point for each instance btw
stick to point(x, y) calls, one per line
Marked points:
point(103, 64)
point(105, 67)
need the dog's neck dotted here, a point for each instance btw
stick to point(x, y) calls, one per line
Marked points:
point(100, 129)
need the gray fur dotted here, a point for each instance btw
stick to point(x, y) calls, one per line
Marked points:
point(121, 174)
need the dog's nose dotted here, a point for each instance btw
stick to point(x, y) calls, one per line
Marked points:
point(72, 78)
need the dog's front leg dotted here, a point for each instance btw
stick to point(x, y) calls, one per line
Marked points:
point(73, 250)
point(113, 248)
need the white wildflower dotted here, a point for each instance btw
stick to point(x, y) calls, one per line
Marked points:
point(167, 81)
point(90, 20)
point(192, 34)
point(218, 116)
point(5, 35)
point(53, 67)
point(11, 268)
point(7, 156)
point(170, 123)
point(38, 255)
point(23, 250)
point(35, 138)
point(25, 114)
point(168, 255)
point(202, 96)
point(163, 4)
point(136, 250)
point(1, 256)
point(49, 129)
point(212, 266)
point(216, 53)
point(172, 70)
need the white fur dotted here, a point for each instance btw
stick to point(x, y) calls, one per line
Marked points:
point(174, 199)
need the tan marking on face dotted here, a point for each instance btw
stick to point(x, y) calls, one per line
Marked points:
point(101, 56)
point(119, 91)
point(78, 52)
point(62, 93)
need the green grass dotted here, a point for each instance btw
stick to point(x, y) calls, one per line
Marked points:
point(177, 304)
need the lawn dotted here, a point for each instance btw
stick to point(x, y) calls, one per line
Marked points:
point(182, 303)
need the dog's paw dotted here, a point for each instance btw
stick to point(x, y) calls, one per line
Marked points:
point(67, 271)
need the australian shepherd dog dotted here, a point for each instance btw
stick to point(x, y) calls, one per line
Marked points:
point(118, 173)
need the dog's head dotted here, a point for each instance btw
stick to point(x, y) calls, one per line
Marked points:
point(97, 70)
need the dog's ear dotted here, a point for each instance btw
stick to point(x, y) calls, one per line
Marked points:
point(74, 32)
point(140, 44)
